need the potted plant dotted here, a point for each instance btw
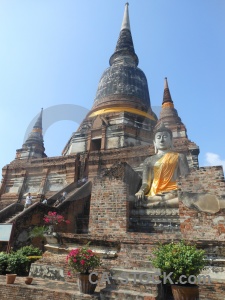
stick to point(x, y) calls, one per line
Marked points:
point(83, 260)
point(52, 219)
point(37, 234)
point(180, 264)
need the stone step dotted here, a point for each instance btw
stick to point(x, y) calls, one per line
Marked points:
point(138, 264)
point(145, 265)
point(148, 287)
point(131, 272)
point(135, 280)
point(12, 217)
point(121, 294)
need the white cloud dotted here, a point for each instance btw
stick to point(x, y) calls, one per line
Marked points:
point(214, 159)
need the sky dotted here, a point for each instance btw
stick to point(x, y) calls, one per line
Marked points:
point(53, 53)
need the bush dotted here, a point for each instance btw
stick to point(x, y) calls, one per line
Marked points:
point(38, 231)
point(29, 251)
point(3, 262)
point(178, 258)
point(17, 264)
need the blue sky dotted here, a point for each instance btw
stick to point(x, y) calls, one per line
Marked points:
point(53, 53)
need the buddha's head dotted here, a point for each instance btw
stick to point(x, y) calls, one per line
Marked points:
point(163, 138)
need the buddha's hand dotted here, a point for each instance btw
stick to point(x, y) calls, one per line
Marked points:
point(140, 195)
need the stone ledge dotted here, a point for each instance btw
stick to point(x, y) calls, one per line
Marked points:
point(111, 293)
point(155, 212)
point(46, 271)
point(103, 252)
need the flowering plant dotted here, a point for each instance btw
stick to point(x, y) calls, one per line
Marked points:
point(82, 260)
point(52, 218)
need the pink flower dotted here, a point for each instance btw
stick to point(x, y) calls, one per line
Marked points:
point(46, 220)
point(69, 273)
point(54, 218)
point(82, 262)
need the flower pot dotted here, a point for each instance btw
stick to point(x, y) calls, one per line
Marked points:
point(51, 239)
point(10, 278)
point(84, 284)
point(183, 292)
point(28, 280)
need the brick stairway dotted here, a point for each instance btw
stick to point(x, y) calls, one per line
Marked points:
point(132, 284)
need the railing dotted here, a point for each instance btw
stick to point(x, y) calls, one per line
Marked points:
point(68, 189)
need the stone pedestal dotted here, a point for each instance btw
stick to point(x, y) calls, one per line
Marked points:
point(154, 220)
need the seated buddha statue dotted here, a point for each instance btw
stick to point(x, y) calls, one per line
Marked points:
point(160, 173)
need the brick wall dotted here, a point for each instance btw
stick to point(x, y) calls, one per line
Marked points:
point(196, 225)
point(40, 289)
point(200, 225)
point(20, 293)
point(109, 207)
point(205, 180)
point(213, 291)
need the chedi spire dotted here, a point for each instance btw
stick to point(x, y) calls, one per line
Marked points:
point(168, 114)
point(34, 144)
point(124, 51)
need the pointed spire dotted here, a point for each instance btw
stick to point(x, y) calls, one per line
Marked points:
point(38, 123)
point(166, 94)
point(34, 144)
point(124, 52)
point(168, 114)
point(35, 137)
point(126, 20)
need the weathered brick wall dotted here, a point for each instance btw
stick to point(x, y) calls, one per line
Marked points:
point(196, 225)
point(40, 290)
point(213, 291)
point(17, 292)
point(109, 207)
point(200, 225)
point(205, 180)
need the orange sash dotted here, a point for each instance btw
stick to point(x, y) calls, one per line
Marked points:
point(163, 172)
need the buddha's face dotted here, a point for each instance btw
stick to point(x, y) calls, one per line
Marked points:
point(163, 140)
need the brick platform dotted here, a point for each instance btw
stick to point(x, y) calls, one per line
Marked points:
point(41, 289)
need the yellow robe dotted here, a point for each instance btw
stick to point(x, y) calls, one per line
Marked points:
point(163, 173)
